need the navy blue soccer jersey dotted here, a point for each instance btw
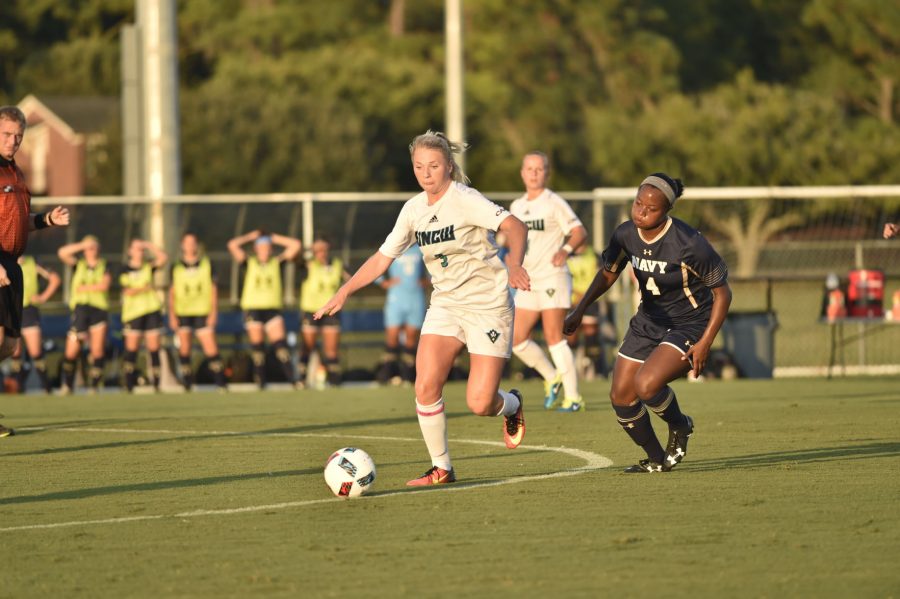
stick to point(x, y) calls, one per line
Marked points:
point(675, 270)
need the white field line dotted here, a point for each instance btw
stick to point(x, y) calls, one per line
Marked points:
point(592, 460)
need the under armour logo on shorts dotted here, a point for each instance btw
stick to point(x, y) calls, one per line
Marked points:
point(493, 335)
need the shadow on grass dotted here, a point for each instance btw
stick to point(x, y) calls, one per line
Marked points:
point(208, 481)
point(329, 426)
point(816, 395)
point(153, 486)
point(44, 427)
point(812, 455)
point(466, 483)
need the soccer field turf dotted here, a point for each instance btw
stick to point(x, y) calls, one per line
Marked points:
point(790, 488)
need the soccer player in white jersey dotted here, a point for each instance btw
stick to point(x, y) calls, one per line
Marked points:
point(471, 306)
point(554, 232)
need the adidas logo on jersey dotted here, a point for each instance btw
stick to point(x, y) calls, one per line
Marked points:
point(433, 219)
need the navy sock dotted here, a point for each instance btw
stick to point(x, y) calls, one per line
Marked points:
point(19, 372)
point(665, 405)
point(155, 369)
point(333, 366)
point(388, 364)
point(303, 367)
point(187, 373)
point(408, 364)
point(258, 353)
point(129, 369)
point(96, 371)
point(40, 366)
point(594, 353)
point(636, 422)
point(68, 373)
point(218, 370)
point(283, 355)
point(390, 354)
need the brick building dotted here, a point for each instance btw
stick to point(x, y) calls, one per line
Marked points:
point(62, 131)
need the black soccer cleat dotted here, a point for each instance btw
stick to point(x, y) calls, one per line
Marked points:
point(676, 448)
point(6, 432)
point(645, 466)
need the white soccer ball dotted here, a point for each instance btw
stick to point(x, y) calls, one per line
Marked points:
point(350, 472)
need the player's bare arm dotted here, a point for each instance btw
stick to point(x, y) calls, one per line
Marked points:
point(58, 217)
point(53, 282)
point(292, 246)
point(213, 317)
point(600, 285)
point(68, 254)
point(699, 352)
point(160, 257)
point(137, 290)
point(234, 245)
point(576, 239)
point(516, 235)
point(103, 286)
point(374, 267)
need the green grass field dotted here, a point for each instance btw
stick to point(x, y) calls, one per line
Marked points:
point(790, 488)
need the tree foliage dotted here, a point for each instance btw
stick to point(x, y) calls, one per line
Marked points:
point(861, 59)
point(288, 95)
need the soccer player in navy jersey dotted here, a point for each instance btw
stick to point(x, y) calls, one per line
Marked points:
point(684, 300)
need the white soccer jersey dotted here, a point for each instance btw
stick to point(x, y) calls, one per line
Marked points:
point(549, 219)
point(456, 237)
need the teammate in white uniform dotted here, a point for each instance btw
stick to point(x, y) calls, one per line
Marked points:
point(554, 232)
point(454, 226)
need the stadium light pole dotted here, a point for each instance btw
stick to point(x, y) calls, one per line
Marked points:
point(162, 156)
point(455, 89)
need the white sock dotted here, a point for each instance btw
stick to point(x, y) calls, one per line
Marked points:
point(565, 365)
point(533, 356)
point(433, 422)
point(510, 403)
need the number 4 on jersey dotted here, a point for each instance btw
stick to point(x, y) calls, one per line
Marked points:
point(651, 286)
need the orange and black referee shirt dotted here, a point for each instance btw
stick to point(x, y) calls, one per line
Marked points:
point(15, 206)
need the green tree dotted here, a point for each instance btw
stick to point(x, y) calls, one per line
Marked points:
point(534, 72)
point(66, 48)
point(746, 133)
point(861, 64)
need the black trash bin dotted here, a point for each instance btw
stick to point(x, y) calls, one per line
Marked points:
point(750, 338)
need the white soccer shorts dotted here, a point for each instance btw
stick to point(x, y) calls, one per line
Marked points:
point(558, 295)
point(483, 333)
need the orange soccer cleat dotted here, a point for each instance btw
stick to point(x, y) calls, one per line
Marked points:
point(514, 426)
point(434, 476)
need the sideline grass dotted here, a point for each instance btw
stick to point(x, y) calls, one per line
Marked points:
point(790, 489)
